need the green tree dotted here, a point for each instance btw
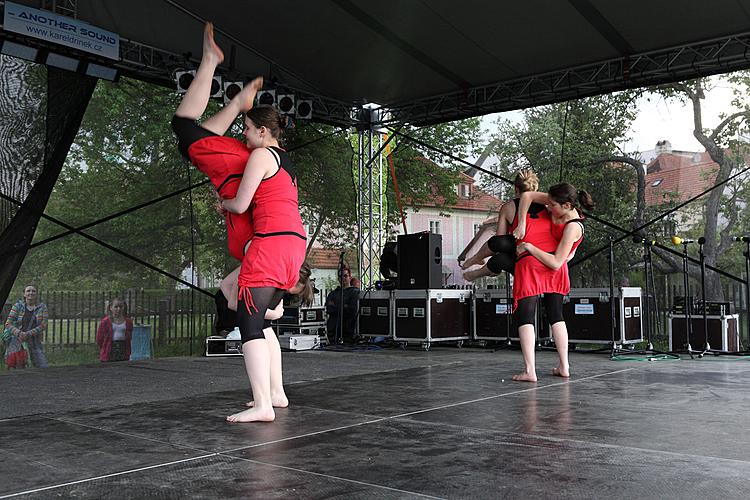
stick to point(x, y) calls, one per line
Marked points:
point(727, 145)
point(581, 142)
point(124, 155)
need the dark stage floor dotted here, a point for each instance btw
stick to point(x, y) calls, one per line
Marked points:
point(447, 423)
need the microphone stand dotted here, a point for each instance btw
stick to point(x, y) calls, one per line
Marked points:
point(746, 253)
point(686, 284)
point(615, 324)
point(338, 338)
point(649, 287)
point(702, 258)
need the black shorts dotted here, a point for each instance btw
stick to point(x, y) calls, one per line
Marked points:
point(188, 131)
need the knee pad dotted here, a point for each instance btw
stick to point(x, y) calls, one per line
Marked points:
point(501, 262)
point(505, 243)
point(226, 319)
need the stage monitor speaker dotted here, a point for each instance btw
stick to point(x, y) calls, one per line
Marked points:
point(420, 261)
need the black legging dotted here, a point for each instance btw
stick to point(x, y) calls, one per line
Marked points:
point(226, 319)
point(251, 322)
point(504, 247)
point(524, 313)
point(188, 131)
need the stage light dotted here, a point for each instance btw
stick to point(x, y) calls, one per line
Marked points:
point(62, 62)
point(216, 88)
point(184, 79)
point(102, 72)
point(20, 51)
point(231, 89)
point(266, 97)
point(285, 103)
point(304, 109)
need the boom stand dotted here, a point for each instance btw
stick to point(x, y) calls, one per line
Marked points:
point(706, 346)
point(339, 336)
point(649, 287)
point(746, 253)
point(687, 305)
point(615, 325)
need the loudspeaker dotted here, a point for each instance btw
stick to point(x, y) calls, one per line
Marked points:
point(420, 261)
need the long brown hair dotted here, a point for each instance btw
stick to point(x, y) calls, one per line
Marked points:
point(567, 193)
point(307, 294)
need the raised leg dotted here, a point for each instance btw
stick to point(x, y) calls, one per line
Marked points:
point(196, 98)
point(478, 258)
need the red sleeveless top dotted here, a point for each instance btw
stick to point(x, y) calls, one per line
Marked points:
point(533, 278)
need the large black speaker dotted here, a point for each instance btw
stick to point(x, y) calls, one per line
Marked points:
point(420, 261)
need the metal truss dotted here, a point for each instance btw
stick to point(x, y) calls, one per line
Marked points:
point(695, 60)
point(370, 233)
point(158, 66)
point(67, 8)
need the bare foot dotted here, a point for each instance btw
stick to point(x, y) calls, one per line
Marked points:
point(277, 401)
point(524, 377)
point(471, 261)
point(211, 51)
point(253, 415)
point(471, 275)
point(559, 372)
point(246, 96)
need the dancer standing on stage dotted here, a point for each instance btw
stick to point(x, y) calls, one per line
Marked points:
point(501, 248)
point(272, 263)
point(539, 271)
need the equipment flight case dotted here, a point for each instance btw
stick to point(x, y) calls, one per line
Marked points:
point(375, 317)
point(303, 316)
point(492, 317)
point(588, 315)
point(723, 332)
point(434, 315)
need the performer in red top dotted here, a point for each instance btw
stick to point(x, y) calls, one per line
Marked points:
point(543, 271)
point(501, 248)
point(273, 267)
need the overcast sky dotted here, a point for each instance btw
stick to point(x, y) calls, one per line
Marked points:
point(661, 119)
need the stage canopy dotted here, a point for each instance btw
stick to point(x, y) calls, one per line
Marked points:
point(428, 60)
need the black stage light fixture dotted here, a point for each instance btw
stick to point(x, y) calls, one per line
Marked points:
point(304, 109)
point(184, 79)
point(20, 51)
point(266, 97)
point(217, 90)
point(62, 62)
point(231, 89)
point(102, 72)
point(285, 102)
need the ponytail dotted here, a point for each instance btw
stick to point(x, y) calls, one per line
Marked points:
point(567, 193)
point(584, 199)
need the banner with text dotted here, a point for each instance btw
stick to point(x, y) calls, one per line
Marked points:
point(61, 30)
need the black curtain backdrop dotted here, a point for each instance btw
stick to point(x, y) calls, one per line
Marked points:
point(68, 95)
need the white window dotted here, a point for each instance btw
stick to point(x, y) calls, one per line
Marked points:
point(477, 228)
point(656, 182)
point(465, 191)
point(435, 226)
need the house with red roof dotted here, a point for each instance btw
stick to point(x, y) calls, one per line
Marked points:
point(458, 223)
point(673, 177)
